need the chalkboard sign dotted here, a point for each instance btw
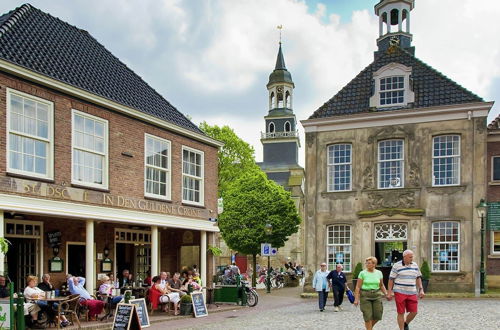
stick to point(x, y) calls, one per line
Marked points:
point(126, 318)
point(142, 311)
point(54, 238)
point(493, 216)
point(199, 307)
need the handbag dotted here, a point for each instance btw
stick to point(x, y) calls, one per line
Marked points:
point(350, 296)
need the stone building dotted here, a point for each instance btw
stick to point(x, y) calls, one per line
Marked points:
point(281, 145)
point(492, 245)
point(396, 160)
point(98, 172)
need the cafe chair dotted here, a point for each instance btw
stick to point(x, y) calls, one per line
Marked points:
point(70, 308)
point(160, 304)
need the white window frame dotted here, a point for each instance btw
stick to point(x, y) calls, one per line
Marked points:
point(105, 169)
point(402, 160)
point(334, 245)
point(493, 168)
point(492, 240)
point(269, 127)
point(387, 71)
point(331, 166)
point(168, 170)
point(201, 178)
point(433, 244)
point(50, 140)
point(284, 126)
point(441, 157)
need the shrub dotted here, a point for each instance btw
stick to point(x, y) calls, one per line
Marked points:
point(357, 270)
point(425, 270)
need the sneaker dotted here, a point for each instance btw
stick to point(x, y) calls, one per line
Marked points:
point(336, 309)
point(321, 310)
point(406, 326)
point(340, 307)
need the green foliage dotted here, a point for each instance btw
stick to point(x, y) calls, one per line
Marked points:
point(251, 202)
point(215, 250)
point(425, 270)
point(4, 245)
point(236, 157)
point(357, 270)
point(186, 299)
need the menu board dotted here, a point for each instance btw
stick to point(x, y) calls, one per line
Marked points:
point(142, 311)
point(199, 307)
point(54, 238)
point(126, 318)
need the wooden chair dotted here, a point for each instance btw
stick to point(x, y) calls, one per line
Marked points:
point(70, 308)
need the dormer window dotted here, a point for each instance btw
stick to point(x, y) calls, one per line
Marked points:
point(392, 86)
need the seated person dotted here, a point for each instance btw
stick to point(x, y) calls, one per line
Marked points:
point(107, 288)
point(190, 281)
point(148, 280)
point(158, 294)
point(175, 284)
point(45, 285)
point(32, 292)
point(164, 278)
point(76, 286)
point(29, 308)
point(126, 279)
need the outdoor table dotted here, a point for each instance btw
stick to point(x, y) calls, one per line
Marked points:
point(52, 301)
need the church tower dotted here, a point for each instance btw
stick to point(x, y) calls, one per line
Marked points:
point(394, 24)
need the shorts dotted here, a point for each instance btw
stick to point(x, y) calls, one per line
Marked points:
point(371, 305)
point(406, 302)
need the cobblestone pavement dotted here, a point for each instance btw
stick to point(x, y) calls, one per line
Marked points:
point(447, 314)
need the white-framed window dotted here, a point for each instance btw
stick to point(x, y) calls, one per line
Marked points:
point(89, 150)
point(339, 246)
point(271, 127)
point(446, 246)
point(390, 164)
point(446, 160)
point(392, 90)
point(495, 242)
point(495, 168)
point(192, 176)
point(30, 137)
point(157, 164)
point(287, 127)
point(339, 167)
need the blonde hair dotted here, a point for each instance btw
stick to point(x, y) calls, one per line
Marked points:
point(372, 259)
point(31, 278)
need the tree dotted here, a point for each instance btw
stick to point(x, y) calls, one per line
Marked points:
point(235, 157)
point(251, 202)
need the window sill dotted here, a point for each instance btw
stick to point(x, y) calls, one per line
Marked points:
point(82, 186)
point(338, 194)
point(494, 183)
point(193, 205)
point(494, 256)
point(30, 177)
point(446, 189)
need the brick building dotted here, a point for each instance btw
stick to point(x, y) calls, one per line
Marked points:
point(98, 172)
point(492, 249)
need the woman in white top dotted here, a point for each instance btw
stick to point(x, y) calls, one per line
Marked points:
point(167, 294)
point(107, 288)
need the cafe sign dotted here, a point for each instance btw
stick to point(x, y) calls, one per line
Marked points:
point(52, 191)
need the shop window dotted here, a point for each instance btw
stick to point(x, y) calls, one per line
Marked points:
point(339, 167)
point(495, 168)
point(339, 246)
point(495, 242)
point(445, 246)
point(90, 150)
point(30, 135)
point(390, 164)
point(192, 176)
point(157, 167)
point(446, 160)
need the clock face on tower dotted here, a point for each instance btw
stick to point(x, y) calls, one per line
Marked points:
point(280, 89)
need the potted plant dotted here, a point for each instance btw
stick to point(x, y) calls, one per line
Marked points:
point(426, 274)
point(355, 274)
point(186, 305)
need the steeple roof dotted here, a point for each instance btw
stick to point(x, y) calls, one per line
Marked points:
point(280, 73)
point(280, 60)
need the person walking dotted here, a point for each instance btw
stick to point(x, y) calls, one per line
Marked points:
point(320, 284)
point(339, 285)
point(405, 281)
point(370, 283)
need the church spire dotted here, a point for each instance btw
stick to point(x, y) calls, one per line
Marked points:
point(280, 60)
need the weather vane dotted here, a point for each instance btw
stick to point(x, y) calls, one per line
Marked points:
point(280, 27)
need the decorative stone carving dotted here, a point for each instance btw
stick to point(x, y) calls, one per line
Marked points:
point(368, 179)
point(393, 199)
point(391, 232)
point(310, 137)
point(391, 132)
point(414, 175)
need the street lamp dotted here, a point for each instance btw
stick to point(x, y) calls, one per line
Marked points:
point(481, 212)
point(268, 229)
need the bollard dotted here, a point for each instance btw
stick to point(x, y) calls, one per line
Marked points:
point(20, 312)
point(11, 303)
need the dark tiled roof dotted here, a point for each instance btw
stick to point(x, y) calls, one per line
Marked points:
point(431, 88)
point(44, 44)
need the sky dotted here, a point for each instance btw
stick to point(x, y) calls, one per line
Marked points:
point(212, 58)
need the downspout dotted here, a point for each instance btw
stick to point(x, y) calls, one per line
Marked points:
point(473, 243)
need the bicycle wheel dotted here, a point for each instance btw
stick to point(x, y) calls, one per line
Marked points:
point(252, 298)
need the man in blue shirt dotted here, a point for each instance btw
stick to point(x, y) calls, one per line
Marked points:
point(339, 285)
point(76, 286)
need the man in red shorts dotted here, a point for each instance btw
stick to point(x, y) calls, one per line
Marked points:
point(405, 281)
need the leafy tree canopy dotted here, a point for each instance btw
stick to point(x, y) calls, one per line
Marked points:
point(251, 202)
point(235, 157)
